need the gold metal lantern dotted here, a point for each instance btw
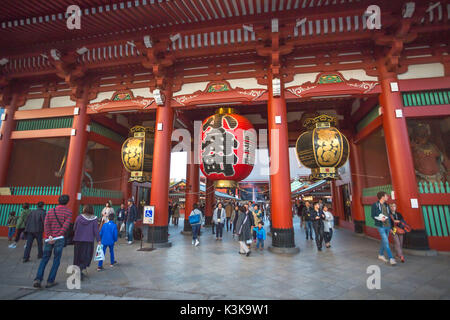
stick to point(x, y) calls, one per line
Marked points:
point(137, 153)
point(322, 148)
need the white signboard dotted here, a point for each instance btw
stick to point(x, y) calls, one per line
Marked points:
point(149, 214)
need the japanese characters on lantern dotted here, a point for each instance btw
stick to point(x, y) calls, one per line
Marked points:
point(228, 143)
point(322, 148)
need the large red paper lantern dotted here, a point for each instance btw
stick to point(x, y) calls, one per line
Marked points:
point(228, 143)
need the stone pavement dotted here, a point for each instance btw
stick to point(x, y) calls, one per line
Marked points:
point(215, 270)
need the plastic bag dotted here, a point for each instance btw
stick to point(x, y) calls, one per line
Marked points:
point(122, 227)
point(99, 254)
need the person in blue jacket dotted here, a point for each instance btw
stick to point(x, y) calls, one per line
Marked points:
point(380, 213)
point(108, 236)
point(260, 235)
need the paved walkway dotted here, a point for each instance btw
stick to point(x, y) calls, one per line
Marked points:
point(215, 270)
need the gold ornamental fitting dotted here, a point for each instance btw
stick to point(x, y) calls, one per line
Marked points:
point(225, 184)
point(224, 110)
point(322, 121)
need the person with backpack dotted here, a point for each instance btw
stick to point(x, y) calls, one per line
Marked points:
point(219, 218)
point(195, 219)
point(20, 226)
point(108, 235)
point(399, 227)
point(12, 222)
point(34, 228)
point(229, 212)
point(381, 214)
point(56, 224)
point(86, 231)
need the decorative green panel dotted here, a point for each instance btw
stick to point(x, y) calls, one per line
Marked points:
point(101, 193)
point(6, 208)
point(332, 78)
point(426, 98)
point(372, 191)
point(369, 220)
point(35, 191)
point(372, 115)
point(40, 124)
point(108, 133)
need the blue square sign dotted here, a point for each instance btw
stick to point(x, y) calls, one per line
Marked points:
point(149, 214)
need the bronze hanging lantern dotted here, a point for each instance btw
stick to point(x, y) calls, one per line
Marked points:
point(137, 153)
point(322, 148)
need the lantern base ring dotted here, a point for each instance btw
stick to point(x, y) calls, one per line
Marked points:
point(225, 184)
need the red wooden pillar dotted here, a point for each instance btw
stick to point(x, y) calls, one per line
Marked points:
point(158, 232)
point(356, 171)
point(400, 158)
point(6, 143)
point(192, 189)
point(209, 201)
point(76, 154)
point(338, 206)
point(280, 182)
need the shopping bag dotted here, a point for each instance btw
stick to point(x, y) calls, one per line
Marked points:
point(99, 255)
point(122, 227)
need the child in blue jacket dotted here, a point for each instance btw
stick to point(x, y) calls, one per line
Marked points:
point(108, 234)
point(260, 235)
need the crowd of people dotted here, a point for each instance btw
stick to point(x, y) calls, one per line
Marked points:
point(56, 225)
point(245, 220)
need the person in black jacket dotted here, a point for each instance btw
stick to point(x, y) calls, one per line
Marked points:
point(306, 215)
point(317, 217)
point(34, 228)
point(131, 218)
point(121, 218)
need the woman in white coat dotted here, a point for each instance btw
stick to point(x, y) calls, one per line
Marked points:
point(328, 225)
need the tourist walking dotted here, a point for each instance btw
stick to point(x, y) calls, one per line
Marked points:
point(12, 222)
point(176, 214)
point(399, 227)
point(229, 212)
point(121, 218)
point(85, 232)
point(57, 222)
point(328, 224)
point(219, 218)
point(307, 220)
point(257, 218)
point(317, 218)
point(107, 210)
point(108, 236)
point(381, 214)
point(34, 229)
point(234, 217)
point(20, 225)
point(131, 219)
point(195, 219)
point(243, 229)
point(260, 235)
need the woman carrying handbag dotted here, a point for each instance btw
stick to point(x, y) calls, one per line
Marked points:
point(399, 228)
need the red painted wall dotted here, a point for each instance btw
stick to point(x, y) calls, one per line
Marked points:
point(107, 168)
point(34, 163)
point(375, 161)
